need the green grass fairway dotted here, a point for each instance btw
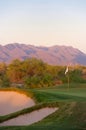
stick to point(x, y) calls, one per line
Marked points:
point(61, 94)
point(70, 116)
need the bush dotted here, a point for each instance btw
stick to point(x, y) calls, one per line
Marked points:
point(4, 82)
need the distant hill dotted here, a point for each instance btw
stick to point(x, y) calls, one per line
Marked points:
point(55, 55)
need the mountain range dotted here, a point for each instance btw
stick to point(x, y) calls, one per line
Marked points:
point(55, 55)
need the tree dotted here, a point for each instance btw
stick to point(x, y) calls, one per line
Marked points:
point(15, 71)
point(5, 81)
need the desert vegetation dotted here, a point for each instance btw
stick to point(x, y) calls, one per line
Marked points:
point(34, 73)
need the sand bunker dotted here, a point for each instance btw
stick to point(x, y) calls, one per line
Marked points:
point(30, 118)
point(13, 101)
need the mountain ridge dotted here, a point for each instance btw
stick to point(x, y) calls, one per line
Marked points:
point(54, 55)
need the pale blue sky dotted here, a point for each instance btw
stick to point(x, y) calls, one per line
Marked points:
point(43, 22)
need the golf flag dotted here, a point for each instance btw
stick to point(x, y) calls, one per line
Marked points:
point(66, 71)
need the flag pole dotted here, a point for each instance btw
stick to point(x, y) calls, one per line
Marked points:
point(68, 79)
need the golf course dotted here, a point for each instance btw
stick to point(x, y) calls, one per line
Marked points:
point(42, 64)
point(38, 96)
point(67, 108)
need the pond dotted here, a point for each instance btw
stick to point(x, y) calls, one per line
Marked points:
point(29, 118)
point(11, 101)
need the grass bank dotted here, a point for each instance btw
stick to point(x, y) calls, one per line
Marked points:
point(70, 116)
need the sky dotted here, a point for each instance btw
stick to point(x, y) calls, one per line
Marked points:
point(43, 22)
